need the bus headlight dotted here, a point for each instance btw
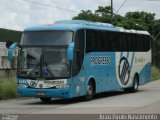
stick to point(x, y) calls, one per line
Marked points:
point(22, 86)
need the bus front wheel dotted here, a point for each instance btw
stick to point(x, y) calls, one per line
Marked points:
point(134, 87)
point(90, 91)
point(45, 100)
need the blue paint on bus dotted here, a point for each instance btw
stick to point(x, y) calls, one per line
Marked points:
point(99, 66)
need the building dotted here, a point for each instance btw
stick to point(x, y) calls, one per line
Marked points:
point(7, 67)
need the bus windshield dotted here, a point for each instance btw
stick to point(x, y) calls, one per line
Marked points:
point(43, 54)
point(48, 62)
point(46, 38)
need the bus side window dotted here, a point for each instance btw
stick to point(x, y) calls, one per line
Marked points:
point(90, 37)
point(78, 52)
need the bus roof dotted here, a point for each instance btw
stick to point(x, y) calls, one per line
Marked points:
point(74, 25)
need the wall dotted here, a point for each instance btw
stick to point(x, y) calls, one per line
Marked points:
point(7, 68)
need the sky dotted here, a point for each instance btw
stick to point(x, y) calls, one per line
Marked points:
point(20, 14)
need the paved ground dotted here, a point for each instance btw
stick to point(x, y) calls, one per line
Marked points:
point(147, 100)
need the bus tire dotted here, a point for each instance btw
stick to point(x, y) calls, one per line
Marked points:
point(45, 100)
point(134, 88)
point(90, 91)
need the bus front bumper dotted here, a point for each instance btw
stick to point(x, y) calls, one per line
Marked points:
point(55, 93)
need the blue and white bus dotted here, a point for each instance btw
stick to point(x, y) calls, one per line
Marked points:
point(75, 58)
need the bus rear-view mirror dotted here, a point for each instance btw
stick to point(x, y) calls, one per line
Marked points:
point(11, 48)
point(70, 51)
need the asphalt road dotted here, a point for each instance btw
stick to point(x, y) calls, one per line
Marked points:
point(147, 100)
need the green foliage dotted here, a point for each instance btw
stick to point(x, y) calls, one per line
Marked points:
point(155, 74)
point(102, 14)
point(132, 20)
point(85, 15)
point(156, 27)
point(103, 11)
point(141, 16)
point(138, 20)
point(6, 35)
point(8, 89)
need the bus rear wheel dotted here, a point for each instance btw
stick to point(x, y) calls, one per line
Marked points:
point(45, 100)
point(134, 88)
point(90, 91)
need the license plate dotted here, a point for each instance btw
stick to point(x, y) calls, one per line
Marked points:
point(40, 93)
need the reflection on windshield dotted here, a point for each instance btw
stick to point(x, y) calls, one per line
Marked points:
point(56, 62)
point(43, 62)
point(29, 61)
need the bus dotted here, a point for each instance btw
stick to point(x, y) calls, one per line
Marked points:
point(73, 58)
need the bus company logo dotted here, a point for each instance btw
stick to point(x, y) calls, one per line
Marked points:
point(124, 71)
point(33, 84)
point(100, 60)
point(54, 82)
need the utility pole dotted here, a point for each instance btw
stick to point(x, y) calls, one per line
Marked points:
point(111, 10)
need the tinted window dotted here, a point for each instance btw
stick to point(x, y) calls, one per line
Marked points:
point(116, 41)
point(78, 52)
point(46, 38)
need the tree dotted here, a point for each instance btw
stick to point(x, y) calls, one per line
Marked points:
point(85, 15)
point(132, 20)
point(102, 14)
point(144, 19)
point(156, 42)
